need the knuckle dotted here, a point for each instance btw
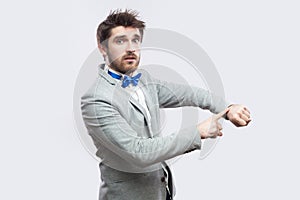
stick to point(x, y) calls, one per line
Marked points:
point(236, 115)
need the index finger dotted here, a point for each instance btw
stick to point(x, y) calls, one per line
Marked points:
point(221, 114)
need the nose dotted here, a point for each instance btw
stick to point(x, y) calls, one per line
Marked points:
point(131, 47)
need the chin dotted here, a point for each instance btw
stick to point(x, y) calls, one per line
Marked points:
point(130, 67)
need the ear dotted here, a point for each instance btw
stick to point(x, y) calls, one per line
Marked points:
point(102, 49)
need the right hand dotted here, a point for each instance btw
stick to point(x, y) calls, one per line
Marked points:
point(211, 128)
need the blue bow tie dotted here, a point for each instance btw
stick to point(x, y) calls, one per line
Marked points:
point(127, 79)
point(115, 76)
point(133, 80)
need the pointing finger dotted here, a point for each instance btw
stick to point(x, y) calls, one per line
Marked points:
point(219, 126)
point(221, 114)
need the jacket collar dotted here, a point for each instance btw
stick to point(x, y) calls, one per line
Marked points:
point(105, 75)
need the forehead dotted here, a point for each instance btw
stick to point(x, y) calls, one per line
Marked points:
point(124, 31)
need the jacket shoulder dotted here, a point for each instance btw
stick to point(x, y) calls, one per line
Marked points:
point(100, 89)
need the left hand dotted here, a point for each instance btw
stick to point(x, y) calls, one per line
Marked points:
point(239, 115)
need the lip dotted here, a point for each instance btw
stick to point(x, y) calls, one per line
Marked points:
point(130, 58)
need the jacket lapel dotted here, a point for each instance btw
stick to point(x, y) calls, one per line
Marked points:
point(126, 95)
point(140, 108)
point(143, 84)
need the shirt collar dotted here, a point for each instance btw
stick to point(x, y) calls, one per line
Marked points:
point(107, 68)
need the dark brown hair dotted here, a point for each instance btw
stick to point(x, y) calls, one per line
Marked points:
point(127, 18)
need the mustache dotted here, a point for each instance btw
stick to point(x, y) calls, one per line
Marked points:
point(130, 56)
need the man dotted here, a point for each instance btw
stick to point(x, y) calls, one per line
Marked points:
point(121, 113)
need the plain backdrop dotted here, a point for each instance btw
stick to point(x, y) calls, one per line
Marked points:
point(254, 45)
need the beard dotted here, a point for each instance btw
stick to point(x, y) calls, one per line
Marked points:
point(125, 64)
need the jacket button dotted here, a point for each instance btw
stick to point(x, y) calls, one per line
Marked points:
point(163, 179)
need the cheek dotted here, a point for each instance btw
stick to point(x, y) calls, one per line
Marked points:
point(116, 52)
point(117, 55)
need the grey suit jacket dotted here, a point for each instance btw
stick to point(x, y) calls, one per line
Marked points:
point(130, 144)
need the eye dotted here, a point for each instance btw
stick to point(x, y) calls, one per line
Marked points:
point(119, 41)
point(136, 40)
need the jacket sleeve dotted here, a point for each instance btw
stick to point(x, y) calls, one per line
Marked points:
point(172, 95)
point(112, 131)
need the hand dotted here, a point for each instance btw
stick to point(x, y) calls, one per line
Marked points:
point(239, 115)
point(211, 128)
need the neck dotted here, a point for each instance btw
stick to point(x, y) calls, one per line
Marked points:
point(128, 73)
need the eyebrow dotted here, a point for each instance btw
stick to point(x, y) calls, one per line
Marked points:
point(120, 37)
point(124, 36)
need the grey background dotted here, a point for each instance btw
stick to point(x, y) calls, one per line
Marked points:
point(254, 45)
